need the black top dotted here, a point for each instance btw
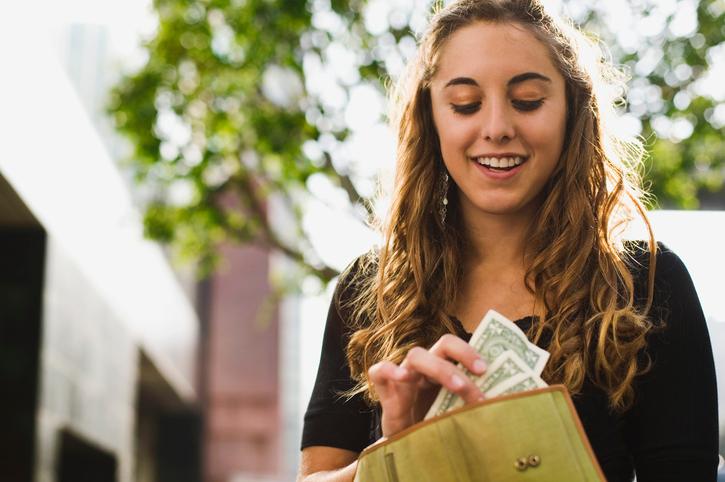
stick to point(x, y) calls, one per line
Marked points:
point(669, 434)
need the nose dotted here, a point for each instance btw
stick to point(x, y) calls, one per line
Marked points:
point(497, 124)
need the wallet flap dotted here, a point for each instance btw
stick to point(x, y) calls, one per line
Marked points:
point(527, 436)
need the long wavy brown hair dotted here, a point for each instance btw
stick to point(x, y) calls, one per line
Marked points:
point(578, 269)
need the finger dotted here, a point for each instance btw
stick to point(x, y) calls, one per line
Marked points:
point(396, 397)
point(442, 372)
point(454, 348)
point(383, 374)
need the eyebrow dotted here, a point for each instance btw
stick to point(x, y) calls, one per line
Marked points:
point(516, 79)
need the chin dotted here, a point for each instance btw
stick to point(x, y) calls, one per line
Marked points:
point(512, 208)
point(498, 208)
point(501, 210)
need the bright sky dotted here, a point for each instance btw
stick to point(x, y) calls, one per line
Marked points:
point(127, 22)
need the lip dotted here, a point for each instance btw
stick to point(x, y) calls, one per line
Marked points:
point(500, 155)
point(503, 175)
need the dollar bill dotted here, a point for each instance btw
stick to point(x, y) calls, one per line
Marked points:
point(508, 354)
point(518, 383)
point(496, 334)
point(506, 366)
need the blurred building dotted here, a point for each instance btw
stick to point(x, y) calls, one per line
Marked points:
point(114, 366)
point(99, 337)
point(244, 438)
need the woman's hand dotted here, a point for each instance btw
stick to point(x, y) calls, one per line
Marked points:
point(406, 391)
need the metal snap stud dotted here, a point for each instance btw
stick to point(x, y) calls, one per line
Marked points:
point(521, 464)
point(534, 461)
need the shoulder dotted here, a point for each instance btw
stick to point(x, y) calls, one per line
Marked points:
point(356, 276)
point(670, 273)
point(638, 255)
point(675, 303)
point(353, 281)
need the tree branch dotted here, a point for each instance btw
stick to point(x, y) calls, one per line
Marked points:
point(249, 192)
point(346, 183)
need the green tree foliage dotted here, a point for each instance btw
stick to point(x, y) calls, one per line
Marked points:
point(669, 48)
point(224, 117)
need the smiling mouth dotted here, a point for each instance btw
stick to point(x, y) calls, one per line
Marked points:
point(500, 164)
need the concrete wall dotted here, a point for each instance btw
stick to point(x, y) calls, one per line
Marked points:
point(88, 370)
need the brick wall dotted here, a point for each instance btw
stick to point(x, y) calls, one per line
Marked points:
point(242, 399)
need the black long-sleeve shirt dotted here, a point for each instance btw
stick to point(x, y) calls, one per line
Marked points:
point(669, 434)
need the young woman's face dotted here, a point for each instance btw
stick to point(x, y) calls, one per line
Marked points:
point(499, 108)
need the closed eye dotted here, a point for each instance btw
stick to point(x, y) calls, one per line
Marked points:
point(466, 109)
point(527, 105)
point(521, 105)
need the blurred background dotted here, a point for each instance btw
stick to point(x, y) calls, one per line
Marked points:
point(181, 181)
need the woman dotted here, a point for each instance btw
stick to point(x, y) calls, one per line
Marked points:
point(510, 193)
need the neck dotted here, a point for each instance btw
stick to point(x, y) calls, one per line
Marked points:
point(496, 241)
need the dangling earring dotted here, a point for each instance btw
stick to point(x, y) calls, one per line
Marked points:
point(443, 208)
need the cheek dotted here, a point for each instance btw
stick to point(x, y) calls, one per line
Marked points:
point(455, 133)
point(547, 134)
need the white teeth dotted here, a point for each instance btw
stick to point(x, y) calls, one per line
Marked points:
point(499, 162)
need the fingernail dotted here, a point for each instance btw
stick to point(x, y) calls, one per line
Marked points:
point(457, 382)
point(479, 366)
point(402, 372)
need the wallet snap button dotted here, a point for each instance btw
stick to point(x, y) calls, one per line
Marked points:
point(521, 464)
point(534, 461)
